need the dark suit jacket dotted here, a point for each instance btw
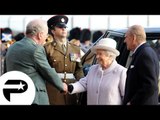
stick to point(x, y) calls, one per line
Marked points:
point(30, 58)
point(142, 77)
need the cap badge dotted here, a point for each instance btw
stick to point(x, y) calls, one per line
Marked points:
point(62, 20)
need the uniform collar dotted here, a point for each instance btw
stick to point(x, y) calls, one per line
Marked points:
point(60, 43)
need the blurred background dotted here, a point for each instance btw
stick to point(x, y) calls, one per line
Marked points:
point(93, 22)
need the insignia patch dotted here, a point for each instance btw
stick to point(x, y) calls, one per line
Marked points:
point(75, 57)
point(62, 20)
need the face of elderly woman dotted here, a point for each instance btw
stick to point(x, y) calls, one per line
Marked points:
point(103, 59)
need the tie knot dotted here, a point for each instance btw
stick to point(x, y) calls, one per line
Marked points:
point(63, 45)
point(133, 54)
point(64, 48)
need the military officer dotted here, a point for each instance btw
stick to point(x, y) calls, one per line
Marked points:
point(65, 58)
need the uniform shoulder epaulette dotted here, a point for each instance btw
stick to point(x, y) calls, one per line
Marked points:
point(47, 43)
point(74, 45)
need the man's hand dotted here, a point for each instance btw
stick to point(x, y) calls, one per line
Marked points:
point(65, 88)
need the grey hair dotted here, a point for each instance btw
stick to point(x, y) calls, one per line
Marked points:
point(139, 32)
point(110, 54)
point(35, 27)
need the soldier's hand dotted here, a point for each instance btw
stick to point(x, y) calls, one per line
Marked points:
point(65, 88)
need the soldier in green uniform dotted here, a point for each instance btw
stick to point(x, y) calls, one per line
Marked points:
point(65, 58)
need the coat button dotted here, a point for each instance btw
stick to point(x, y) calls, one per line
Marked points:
point(65, 80)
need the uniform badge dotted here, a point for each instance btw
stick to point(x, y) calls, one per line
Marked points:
point(62, 20)
point(75, 57)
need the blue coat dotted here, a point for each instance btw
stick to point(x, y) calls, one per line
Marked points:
point(142, 77)
point(30, 58)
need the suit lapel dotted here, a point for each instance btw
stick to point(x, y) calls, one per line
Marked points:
point(137, 53)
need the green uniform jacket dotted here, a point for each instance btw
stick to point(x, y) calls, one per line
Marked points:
point(69, 62)
point(30, 58)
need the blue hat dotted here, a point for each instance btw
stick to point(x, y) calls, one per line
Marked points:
point(57, 21)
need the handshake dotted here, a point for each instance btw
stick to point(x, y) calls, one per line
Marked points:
point(67, 88)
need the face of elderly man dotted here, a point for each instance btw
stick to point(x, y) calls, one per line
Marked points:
point(103, 58)
point(129, 40)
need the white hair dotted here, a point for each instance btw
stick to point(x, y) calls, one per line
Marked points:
point(36, 26)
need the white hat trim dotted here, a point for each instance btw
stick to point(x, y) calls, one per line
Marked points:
point(105, 48)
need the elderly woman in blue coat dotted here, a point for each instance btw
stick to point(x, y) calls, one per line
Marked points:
point(105, 81)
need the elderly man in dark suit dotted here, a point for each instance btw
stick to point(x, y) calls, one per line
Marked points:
point(142, 75)
point(28, 56)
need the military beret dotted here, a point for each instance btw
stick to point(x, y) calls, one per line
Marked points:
point(57, 21)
